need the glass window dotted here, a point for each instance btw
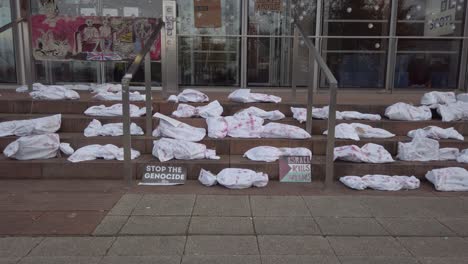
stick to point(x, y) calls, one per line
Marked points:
point(207, 54)
point(7, 51)
point(356, 62)
point(270, 44)
point(432, 58)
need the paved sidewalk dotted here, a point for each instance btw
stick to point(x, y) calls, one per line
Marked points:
point(139, 226)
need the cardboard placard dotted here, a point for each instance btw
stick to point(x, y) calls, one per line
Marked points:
point(164, 175)
point(295, 169)
point(269, 5)
point(207, 13)
point(440, 18)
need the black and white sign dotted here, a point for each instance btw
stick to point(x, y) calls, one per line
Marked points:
point(295, 169)
point(155, 174)
point(440, 17)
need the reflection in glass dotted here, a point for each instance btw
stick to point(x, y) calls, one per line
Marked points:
point(5, 12)
point(356, 63)
point(7, 58)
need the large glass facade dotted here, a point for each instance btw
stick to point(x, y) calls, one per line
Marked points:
point(376, 44)
point(7, 50)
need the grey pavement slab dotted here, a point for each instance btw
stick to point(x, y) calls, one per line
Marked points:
point(436, 246)
point(350, 226)
point(294, 245)
point(148, 246)
point(415, 227)
point(126, 204)
point(278, 206)
point(378, 260)
point(11, 247)
point(282, 259)
point(298, 225)
point(443, 260)
point(368, 246)
point(222, 205)
point(336, 206)
point(458, 225)
point(72, 246)
point(9, 260)
point(60, 260)
point(208, 225)
point(156, 225)
point(141, 260)
point(221, 260)
point(110, 225)
point(165, 205)
point(446, 207)
point(221, 245)
point(390, 206)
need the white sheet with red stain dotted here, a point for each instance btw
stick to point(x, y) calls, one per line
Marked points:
point(381, 182)
point(167, 149)
point(234, 178)
point(212, 109)
point(369, 153)
point(452, 179)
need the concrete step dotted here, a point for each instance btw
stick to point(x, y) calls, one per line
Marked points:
point(78, 122)
point(236, 146)
point(60, 168)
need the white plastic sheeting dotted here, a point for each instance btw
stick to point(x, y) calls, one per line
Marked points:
point(54, 93)
point(407, 112)
point(453, 112)
point(240, 126)
point(171, 128)
point(446, 154)
point(117, 96)
point(107, 152)
point(271, 154)
point(436, 133)
point(463, 156)
point(356, 131)
point(34, 147)
point(38, 126)
point(246, 96)
point(463, 97)
point(233, 178)
point(189, 96)
point(449, 179)
point(24, 88)
point(106, 87)
point(434, 98)
point(369, 153)
point(212, 109)
point(115, 110)
point(300, 114)
point(420, 149)
point(167, 149)
point(95, 129)
point(381, 182)
point(66, 149)
point(255, 111)
point(277, 130)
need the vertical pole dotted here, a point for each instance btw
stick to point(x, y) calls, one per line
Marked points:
point(310, 93)
point(149, 101)
point(127, 138)
point(330, 165)
point(294, 65)
point(392, 48)
point(318, 42)
point(244, 31)
point(463, 75)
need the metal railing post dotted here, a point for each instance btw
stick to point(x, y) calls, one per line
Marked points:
point(127, 138)
point(310, 94)
point(294, 65)
point(330, 159)
point(149, 101)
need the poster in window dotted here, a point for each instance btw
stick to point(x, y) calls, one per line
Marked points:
point(92, 38)
point(268, 5)
point(440, 18)
point(207, 13)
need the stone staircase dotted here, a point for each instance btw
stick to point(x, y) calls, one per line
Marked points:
point(19, 106)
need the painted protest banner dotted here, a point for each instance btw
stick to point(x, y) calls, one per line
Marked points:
point(295, 169)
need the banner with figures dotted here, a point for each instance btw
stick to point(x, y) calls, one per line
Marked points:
point(92, 38)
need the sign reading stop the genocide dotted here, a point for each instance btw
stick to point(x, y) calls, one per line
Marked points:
point(163, 175)
point(269, 5)
point(295, 169)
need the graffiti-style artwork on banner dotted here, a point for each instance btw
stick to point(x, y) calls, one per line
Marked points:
point(92, 38)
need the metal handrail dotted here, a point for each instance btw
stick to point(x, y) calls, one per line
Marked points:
point(11, 25)
point(127, 138)
point(314, 56)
